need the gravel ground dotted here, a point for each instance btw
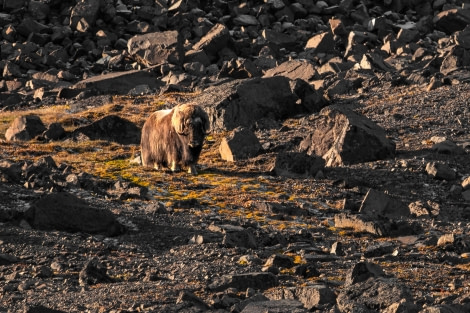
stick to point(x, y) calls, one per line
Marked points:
point(176, 246)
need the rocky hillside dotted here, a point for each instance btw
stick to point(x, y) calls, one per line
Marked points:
point(335, 177)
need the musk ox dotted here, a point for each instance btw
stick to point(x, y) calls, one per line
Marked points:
point(174, 138)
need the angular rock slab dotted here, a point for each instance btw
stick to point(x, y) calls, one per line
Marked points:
point(362, 271)
point(157, 48)
point(373, 295)
point(25, 128)
point(240, 144)
point(377, 204)
point(313, 296)
point(242, 102)
point(65, 212)
point(343, 137)
point(114, 83)
point(294, 69)
point(379, 226)
point(112, 128)
point(216, 39)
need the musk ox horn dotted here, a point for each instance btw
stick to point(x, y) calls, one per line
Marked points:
point(182, 115)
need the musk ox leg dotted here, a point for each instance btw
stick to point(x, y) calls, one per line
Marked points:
point(192, 169)
point(174, 167)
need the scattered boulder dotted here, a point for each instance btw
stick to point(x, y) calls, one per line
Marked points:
point(297, 164)
point(54, 131)
point(112, 128)
point(376, 204)
point(25, 128)
point(440, 171)
point(314, 296)
point(375, 294)
point(7, 259)
point(214, 41)
point(343, 137)
point(257, 280)
point(157, 48)
point(124, 190)
point(362, 271)
point(242, 102)
point(113, 83)
point(66, 212)
point(294, 69)
point(93, 273)
point(240, 144)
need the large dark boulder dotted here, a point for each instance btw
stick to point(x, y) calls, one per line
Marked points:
point(112, 128)
point(25, 128)
point(66, 212)
point(242, 102)
point(157, 48)
point(343, 137)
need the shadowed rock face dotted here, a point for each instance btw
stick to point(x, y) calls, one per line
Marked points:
point(64, 211)
point(341, 136)
point(112, 128)
point(25, 128)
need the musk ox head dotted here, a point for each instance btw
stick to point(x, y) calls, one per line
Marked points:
point(191, 121)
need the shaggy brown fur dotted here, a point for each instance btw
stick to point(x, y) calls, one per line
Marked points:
point(174, 138)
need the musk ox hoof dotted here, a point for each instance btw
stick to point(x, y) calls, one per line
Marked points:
point(192, 170)
point(174, 167)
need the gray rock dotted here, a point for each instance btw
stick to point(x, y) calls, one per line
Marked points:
point(157, 48)
point(313, 296)
point(84, 15)
point(440, 171)
point(115, 83)
point(341, 136)
point(445, 308)
point(379, 249)
point(376, 204)
point(187, 296)
point(372, 295)
point(54, 131)
point(239, 68)
point(112, 128)
point(294, 69)
point(7, 259)
point(362, 271)
point(279, 39)
point(257, 280)
point(359, 223)
point(281, 208)
point(125, 190)
point(280, 260)
point(240, 144)
point(25, 128)
point(64, 211)
point(216, 39)
point(93, 273)
point(453, 20)
point(297, 164)
point(322, 42)
point(448, 147)
point(243, 238)
point(243, 102)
